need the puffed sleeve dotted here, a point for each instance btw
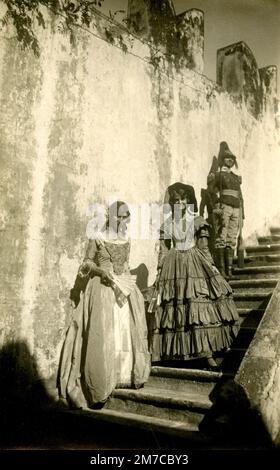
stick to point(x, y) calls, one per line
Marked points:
point(88, 264)
point(200, 225)
point(84, 271)
point(201, 230)
point(91, 250)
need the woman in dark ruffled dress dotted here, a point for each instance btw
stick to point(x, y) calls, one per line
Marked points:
point(195, 314)
point(106, 343)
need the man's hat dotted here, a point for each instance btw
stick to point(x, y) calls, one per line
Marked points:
point(225, 152)
point(182, 190)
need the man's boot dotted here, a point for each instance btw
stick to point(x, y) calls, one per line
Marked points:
point(229, 261)
point(220, 260)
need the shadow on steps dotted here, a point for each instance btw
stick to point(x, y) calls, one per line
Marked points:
point(231, 421)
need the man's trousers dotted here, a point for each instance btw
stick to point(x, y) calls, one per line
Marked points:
point(226, 226)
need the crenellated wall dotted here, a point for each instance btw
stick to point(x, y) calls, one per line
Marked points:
point(181, 37)
point(268, 77)
point(150, 18)
point(190, 39)
point(237, 73)
point(97, 121)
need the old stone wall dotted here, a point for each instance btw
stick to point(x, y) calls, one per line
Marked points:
point(94, 122)
point(259, 373)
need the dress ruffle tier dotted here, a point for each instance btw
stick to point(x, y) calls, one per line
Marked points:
point(196, 314)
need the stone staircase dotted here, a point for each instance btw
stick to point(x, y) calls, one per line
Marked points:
point(176, 401)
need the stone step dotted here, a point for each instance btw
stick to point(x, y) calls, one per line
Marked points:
point(263, 249)
point(252, 300)
point(252, 289)
point(129, 423)
point(250, 317)
point(230, 361)
point(260, 259)
point(275, 230)
point(272, 240)
point(249, 285)
point(250, 321)
point(160, 403)
point(244, 337)
point(195, 381)
point(256, 272)
point(186, 374)
point(244, 312)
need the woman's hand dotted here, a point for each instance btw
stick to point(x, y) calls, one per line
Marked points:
point(215, 269)
point(86, 268)
point(106, 277)
point(74, 297)
point(89, 267)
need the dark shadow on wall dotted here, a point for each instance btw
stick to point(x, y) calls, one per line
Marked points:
point(231, 420)
point(79, 286)
point(142, 274)
point(31, 419)
point(22, 396)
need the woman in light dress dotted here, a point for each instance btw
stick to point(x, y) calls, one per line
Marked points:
point(106, 343)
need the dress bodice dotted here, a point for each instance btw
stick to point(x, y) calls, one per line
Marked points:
point(183, 233)
point(114, 256)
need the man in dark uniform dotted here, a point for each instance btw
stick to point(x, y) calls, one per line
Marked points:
point(229, 210)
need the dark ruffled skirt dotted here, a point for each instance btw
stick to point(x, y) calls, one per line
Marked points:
point(196, 315)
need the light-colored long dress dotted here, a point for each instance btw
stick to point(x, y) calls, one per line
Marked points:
point(106, 343)
point(196, 314)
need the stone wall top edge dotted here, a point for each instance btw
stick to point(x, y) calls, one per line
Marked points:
point(189, 11)
point(144, 50)
point(267, 67)
point(185, 73)
point(140, 42)
point(229, 46)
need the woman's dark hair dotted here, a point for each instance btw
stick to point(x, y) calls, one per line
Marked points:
point(181, 190)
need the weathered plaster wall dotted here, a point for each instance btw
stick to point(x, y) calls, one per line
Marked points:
point(21, 81)
point(87, 123)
